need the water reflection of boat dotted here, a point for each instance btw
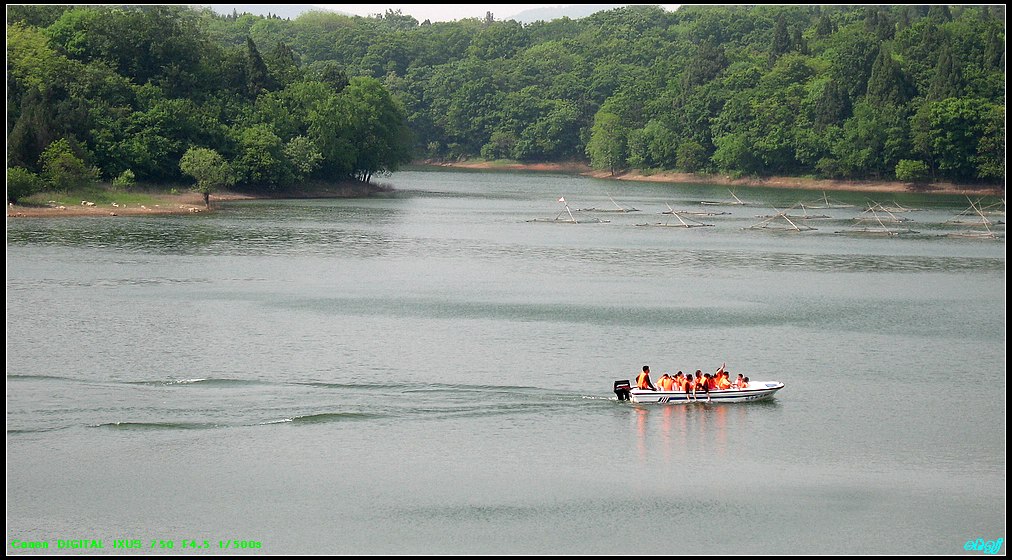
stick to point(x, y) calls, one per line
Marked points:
point(756, 391)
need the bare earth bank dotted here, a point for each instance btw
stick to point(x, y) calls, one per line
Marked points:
point(773, 182)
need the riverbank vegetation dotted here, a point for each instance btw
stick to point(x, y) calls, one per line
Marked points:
point(168, 94)
point(909, 93)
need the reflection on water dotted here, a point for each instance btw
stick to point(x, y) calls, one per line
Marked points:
point(672, 434)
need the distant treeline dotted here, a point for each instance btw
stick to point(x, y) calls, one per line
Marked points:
point(908, 92)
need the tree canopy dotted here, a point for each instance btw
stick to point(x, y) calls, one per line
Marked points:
point(836, 91)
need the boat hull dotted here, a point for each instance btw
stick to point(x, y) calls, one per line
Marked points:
point(757, 391)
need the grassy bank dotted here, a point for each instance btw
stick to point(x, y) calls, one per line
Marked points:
point(104, 200)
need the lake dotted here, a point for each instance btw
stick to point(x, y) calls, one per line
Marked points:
point(430, 372)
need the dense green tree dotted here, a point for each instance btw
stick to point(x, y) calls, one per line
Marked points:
point(498, 40)
point(691, 156)
point(146, 43)
point(360, 132)
point(33, 130)
point(607, 145)
point(957, 137)
point(990, 157)
point(872, 142)
point(852, 55)
point(258, 77)
point(329, 72)
point(921, 46)
point(947, 81)
point(939, 13)
point(653, 146)
point(283, 64)
point(833, 105)
point(377, 128)
point(63, 169)
point(501, 145)
point(710, 59)
point(36, 16)
point(261, 161)
point(210, 170)
point(781, 40)
point(912, 171)
point(124, 180)
point(825, 27)
point(32, 63)
point(21, 183)
point(879, 22)
point(887, 85)
point(303, 157)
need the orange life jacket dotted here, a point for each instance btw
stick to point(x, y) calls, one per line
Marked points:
point(642, 381)
point(667, 383)
point(723, 383)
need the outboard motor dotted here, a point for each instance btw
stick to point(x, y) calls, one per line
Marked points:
point(622, 389)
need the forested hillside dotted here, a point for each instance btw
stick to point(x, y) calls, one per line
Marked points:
point(124, 93)
point(908, 92)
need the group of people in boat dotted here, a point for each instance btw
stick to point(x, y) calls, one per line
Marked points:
point(692, 384)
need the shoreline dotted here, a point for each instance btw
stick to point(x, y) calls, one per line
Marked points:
point(779, 182)
point(189, 202)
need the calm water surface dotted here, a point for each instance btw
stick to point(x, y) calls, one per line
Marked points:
point(428, 372)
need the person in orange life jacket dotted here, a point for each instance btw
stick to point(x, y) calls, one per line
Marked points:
point(711, 382)
point(715, 378)
point(643, 380)
point(703, 384)
point(723, 383)
point(666, 382)
point(744, 383)
point(698, 385)
point(737, 382)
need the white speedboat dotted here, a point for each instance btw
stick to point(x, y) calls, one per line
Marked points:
point(756, 391)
